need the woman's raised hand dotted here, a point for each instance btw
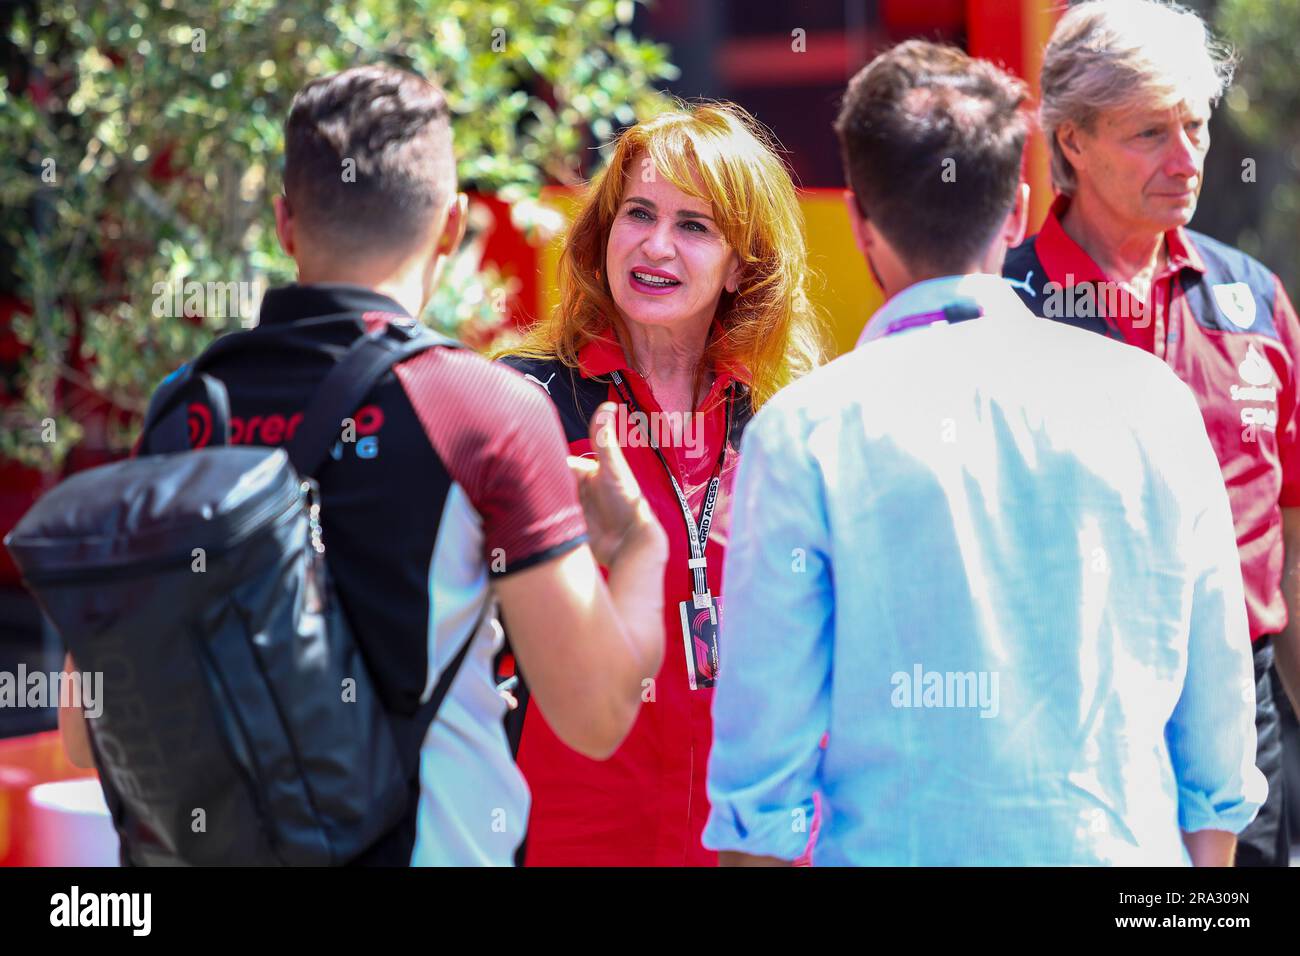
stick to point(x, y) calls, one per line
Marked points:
point(617, 512)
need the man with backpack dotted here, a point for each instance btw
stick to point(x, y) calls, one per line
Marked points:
point(443, 492)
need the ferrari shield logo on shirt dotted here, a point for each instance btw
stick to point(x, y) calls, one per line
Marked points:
point(1237, 302)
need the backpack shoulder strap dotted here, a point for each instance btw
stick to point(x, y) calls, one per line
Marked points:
point(366, 361)
point(166, 426)
point(411, 731)
point(166, 423)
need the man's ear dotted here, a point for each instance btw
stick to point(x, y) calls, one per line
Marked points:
point(448, 241)
point(453, 230)
point(284, 225)
point(1070, 139)
point(1013, 231)
point(858, 223)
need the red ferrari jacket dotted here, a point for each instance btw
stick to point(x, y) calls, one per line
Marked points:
point(647, 804)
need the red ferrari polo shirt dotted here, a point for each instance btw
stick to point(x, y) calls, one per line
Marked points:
point(1223, 322)
point(647, 804)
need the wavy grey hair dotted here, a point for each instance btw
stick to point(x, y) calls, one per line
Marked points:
point(1119, 54)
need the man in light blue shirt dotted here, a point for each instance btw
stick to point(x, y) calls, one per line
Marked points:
point(989, 558)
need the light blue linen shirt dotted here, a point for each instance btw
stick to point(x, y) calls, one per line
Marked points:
point(994, 562)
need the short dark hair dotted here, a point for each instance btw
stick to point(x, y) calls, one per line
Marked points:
point(904, 116)
point(395, 128)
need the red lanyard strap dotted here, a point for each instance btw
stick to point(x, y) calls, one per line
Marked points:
point(697, 535)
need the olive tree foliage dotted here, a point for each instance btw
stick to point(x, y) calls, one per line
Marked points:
point(143, 143)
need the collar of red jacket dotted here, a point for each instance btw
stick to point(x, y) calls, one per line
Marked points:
point(1067, 263)
point(604, 354)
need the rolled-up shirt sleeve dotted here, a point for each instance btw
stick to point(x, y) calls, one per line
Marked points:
point(771, 705)
point(1211, 735)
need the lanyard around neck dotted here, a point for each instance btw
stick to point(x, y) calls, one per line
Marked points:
point(951, 314)
point(697, 534)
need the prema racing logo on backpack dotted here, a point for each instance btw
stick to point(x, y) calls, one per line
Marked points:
point(361, 434)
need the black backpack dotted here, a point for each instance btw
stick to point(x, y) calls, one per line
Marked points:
point(239, 724)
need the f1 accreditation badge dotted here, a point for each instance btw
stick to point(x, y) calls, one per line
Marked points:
point(700, 638)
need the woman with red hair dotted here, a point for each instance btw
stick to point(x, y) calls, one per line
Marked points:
point(683, 300)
